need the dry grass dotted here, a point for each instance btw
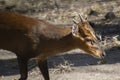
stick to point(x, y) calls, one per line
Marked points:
point(110, 42)
point(63, 67)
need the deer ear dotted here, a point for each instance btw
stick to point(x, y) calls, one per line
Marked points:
point(81, 18)
point(75, 30)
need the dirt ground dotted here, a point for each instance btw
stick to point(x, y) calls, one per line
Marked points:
point(72, 65)
point(83, 67)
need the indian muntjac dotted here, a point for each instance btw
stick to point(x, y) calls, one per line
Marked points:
point(33, 38)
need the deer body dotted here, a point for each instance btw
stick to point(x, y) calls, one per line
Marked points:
point(32, 38)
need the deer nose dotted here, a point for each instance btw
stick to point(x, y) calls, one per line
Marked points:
point(103, 55)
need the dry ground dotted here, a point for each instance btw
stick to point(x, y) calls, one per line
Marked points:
point(73, 66)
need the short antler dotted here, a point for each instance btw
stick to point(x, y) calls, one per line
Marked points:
point(81, 18)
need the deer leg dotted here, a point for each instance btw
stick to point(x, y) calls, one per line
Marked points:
point(44, 69)
point(23, 68)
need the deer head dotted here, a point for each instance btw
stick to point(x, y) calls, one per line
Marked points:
point(86, 39)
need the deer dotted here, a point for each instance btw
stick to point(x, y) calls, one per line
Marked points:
point(31, 38)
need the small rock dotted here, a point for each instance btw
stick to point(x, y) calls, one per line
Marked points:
point(110, 16)
point(10, 7)
point(93, 12)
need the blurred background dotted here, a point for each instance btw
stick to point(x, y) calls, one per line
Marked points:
point(62, 11)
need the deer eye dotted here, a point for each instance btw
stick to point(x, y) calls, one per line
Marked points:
point(90, 41)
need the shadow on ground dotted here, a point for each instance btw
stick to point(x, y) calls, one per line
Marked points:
point(10, 67)
point(107, 27)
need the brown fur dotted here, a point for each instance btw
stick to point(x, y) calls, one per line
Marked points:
point(32, 38)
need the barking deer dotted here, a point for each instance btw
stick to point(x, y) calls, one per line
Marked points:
point(32, 38)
